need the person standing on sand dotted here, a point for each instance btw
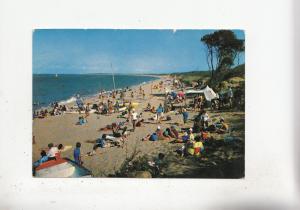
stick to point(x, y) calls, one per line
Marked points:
point(185, 115)
point(130, 106)
point(159, 112)
point(132, 95)
point(77, 155)
point(204, 119)
point(122, 95)
point(133, 118)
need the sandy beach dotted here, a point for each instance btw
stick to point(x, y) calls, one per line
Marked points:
point(62, 129)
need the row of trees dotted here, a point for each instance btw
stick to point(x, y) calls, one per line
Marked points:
point(222, 49)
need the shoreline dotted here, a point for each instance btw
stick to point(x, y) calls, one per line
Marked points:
point(95, 95)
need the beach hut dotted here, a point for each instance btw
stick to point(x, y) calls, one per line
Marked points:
point(61, 168)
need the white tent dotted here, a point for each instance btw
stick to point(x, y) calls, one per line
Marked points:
point(207, 91)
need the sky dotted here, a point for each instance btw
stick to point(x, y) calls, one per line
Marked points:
point(79, 51)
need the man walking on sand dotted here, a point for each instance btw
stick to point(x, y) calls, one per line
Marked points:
point(134, 119)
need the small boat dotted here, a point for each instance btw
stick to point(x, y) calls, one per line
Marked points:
point(61, 168)
point(56, 75)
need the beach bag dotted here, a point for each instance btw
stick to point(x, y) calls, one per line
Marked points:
point(153, 137)
point(169, 118)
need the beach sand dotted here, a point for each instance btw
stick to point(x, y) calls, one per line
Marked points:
point(63, 129)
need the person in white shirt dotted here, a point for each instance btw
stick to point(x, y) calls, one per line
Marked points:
point(52, 152)
point(133, 118)
point(204, 119)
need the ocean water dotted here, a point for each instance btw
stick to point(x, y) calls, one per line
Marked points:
point(48, 88)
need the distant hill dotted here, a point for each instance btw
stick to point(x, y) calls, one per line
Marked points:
point(189, 77)
point(234, 77)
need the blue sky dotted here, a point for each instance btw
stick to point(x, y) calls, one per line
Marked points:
point(78, 51)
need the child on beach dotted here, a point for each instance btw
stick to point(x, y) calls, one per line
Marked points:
point(52, 151)
point(222, 127)
point(60, 148)
point(43, 159)
point(81, 120)
point(77, 154)
point(198, 146)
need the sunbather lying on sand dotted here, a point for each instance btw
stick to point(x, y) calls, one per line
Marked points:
point(109, 141)
point(113, 125)
point(158, 135)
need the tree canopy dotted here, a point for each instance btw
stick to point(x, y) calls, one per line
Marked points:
point(222, 48)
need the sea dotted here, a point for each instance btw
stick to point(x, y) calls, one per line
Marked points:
point(62, 88)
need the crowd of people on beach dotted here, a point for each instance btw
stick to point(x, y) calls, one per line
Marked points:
point(190, 138)
point(55, 110)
